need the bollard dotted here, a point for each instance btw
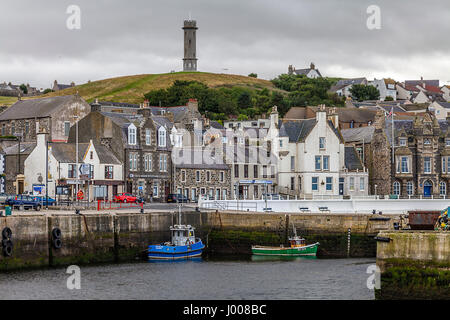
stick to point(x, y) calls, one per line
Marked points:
point(349, 232)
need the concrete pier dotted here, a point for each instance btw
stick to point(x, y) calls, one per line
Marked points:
point(123, 236)
point(414, 265)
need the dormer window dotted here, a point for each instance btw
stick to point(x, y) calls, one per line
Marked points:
point(132, 135)
point(427, 141)
point(402, 142)
point(447, 143)
point(162, 137)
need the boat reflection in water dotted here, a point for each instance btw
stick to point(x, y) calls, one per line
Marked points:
point(260, 258)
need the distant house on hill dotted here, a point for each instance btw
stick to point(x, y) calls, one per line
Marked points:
point(59, 86)
point(310, 72)
point(343, 86)
point(386, 87)
point(446, 93)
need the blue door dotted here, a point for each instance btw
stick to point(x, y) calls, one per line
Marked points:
point(427, 186)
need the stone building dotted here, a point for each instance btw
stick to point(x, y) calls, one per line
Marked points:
point(140, 141)
point(419, 165)
point(198, 172)
point(59, 86)
point(54, 115)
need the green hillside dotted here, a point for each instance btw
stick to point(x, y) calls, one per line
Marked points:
point(131, 89)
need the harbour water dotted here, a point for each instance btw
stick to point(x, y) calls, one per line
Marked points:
point(205, 278)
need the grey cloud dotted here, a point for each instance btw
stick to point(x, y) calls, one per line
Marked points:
point(262, 36)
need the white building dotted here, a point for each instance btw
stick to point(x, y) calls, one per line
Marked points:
point(440, 109)
point(446, 92)
point(386, 87)
point(312, 158)
point(310, 72)
point(100, 172)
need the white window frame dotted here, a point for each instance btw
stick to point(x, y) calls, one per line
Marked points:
point(322, 143)
point(397, 188)
point(132, 133)
point(148, 136)
point(442, 188)
point(162, 137)
point(410, 188)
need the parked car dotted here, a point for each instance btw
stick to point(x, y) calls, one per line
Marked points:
point(125, 197)
point(24, 201)
point(42, 200)
point(172, 197)
point(3, 197)
point(272, 196)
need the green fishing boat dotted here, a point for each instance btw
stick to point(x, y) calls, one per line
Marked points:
point(298, 247)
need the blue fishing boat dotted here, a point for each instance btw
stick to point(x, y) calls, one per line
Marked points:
point(184, 244)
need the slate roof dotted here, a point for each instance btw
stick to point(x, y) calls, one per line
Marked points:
point(358, 134)
point(66, 153)
point(296, 130)
point(25, 148)
point(418, 82)
point(36, 108)
point(445, 105)
point(216, 125)
point(119, 104)
point(305, 71)
point(346, 82)
point(178, 112)
point(352, 160)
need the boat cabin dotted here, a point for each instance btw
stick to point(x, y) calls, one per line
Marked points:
point(297, 242)
point(182, 235)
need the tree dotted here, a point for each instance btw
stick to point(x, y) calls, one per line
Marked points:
point(23, 88)
point(47, 91)
point(253, 75)
point(244, 100)
point(388, 98)
point(363, 92)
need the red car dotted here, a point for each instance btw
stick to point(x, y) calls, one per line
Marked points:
point(125, 197)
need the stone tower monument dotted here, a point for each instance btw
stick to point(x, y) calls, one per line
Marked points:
point(190, 59)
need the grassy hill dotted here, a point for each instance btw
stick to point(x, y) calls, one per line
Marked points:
point(7, 101)
point(131, 89)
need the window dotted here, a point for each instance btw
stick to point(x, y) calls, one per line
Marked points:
point(427, 165)
point(397, 188)
point(292, 183)
point(66, 128)
point(427, 141)
point(72, 171)
point(132, 135)
point(163, 162)
point(222, 176)
point(109, 172)
point(245, 171)
point(197, 176)
point(329, 183)
point(255, 191)
point(318, 163)
point(292, 163)
point(162, 137)
point(322, 143)
point(410, 188)
point(155, 189)
point(255, 171)
point(362, 184)
point(194, 194)
point(447, 142)
point(133, 161)
point(281, 143)
point(148, 162)
point(352, 183)
point(446, 165)
point(27, 127)
point(3, 130)
point(236, 171)
point(264, 171)
point(13, 128)
point(402, 142)
point(208, 176)
point(183, 175)
point(91, 155)
point(404, 164)
point(315, 183)
point(442, 188)
point(148, 136)
point(326, 161)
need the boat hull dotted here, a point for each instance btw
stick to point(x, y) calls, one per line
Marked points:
point(162, 252)
point(309, 250)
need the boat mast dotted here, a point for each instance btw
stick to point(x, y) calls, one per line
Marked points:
point(295, 230)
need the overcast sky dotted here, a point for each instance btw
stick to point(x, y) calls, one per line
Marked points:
point(262, 36)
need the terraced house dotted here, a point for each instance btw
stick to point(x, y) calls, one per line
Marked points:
point(140, 141)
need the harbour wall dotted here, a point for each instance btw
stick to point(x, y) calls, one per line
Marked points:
point(414, 265)
point(124, 236)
